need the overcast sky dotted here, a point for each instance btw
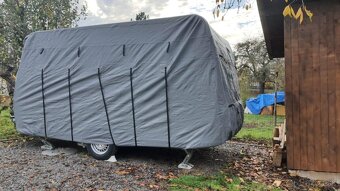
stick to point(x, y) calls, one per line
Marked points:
point(237, 25)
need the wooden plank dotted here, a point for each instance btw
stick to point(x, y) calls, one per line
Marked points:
point(288, 99)
point(337, 63)
point(283, 135)
point(295, 92)
point(331, 73)
point(277, 156)
point(308, 96)
point(323, 87)
point(316, 91)
point(302, 94)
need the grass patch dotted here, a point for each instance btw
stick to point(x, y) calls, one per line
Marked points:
point(258, 127)
point(219, 182)
point(7, 130)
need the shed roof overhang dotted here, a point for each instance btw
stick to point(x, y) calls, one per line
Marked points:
point(273, 25)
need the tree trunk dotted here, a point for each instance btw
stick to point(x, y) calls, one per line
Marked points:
point(10, 80)
point(262, 86)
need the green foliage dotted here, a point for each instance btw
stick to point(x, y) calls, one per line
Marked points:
point(18, 18)
point(141, 16)
point(245, 87)
point(7, 129)
point(218, 182)
point(280, 79)
point(258, 127)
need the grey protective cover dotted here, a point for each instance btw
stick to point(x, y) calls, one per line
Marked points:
point(178, 62)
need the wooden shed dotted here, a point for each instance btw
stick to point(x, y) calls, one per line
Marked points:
point(312, 66)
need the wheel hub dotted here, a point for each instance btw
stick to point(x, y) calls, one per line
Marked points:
point(99, 148)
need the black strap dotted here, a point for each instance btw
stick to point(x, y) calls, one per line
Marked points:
point(107, 115)
point(124, 50)
point(168, 48)
point(133, 108)
point(167, 104)
point(78, 53)
point(43, 99)
point(69, 98)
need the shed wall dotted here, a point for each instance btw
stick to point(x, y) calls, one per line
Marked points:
point(312, 56)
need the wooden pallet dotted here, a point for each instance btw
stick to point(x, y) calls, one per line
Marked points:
point(279, 144)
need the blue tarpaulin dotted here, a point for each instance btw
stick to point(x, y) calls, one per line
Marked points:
point(255, 105)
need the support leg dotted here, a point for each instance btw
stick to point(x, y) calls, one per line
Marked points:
point(185, 164)
point(47, 145)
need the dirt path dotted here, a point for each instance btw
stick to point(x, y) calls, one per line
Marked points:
point(22, 166)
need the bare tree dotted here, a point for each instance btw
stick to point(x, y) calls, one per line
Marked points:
point(252, 57)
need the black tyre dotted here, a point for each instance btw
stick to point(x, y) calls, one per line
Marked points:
point(101, 151)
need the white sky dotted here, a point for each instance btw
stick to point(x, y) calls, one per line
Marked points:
point(237, 25)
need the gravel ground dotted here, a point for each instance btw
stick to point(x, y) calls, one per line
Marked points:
point(23, 167)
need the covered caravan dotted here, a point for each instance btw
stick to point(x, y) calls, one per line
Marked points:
point(163, 83)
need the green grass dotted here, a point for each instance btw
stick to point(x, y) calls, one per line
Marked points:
point(255, 127)
point(258, 127)
point(7, 130)
point(219, 182)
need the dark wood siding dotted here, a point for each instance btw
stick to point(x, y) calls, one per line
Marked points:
point(312, 56)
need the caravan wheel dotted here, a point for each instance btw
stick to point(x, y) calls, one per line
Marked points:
point(101, 151)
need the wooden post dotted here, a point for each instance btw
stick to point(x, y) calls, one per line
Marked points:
point(275, 87)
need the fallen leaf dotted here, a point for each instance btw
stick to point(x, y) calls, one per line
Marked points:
point(153, 186)
point(229, 180)
point(122, 172)
point(161, 177)
point(277, 183)
point(171, 175)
